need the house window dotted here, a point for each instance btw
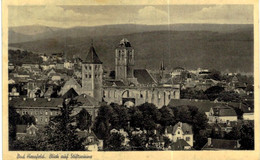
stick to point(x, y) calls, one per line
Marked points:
point(36, 119)
point(89, 76)
point(187, 138)
point(51, 113)
point(46, 112)
point(41, 119)
point(178, 132)
point(86, 76)
point(89, 67)
point(46, 119)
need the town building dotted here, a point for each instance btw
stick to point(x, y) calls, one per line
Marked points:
point(180, 131)
point(23, 131)
point(222, 114)
point(221, 144)
point(41, 108)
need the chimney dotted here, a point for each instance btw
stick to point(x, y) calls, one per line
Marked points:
point(238, 145)
point(209, 141)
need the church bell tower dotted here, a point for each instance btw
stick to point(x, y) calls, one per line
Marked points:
point(124, 61)
point(92, 73)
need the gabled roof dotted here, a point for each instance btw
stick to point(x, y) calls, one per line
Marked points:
point(87, 100)
point(86, 134)
point(21, 128)
point(38, 102)
point(185, 127)
point(221, 144)
point(71, 93)
point(144, 77)
point(72, 81)
point(203, 106)
point(92, 57)
point(115, 83)
point(179, 144)
point(224, 111)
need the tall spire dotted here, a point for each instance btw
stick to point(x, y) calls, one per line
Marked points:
point(92, 56)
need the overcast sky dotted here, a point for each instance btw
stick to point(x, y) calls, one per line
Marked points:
point(70, 16)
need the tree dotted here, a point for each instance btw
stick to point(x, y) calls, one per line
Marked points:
point(115, 142)
point(247, 137)
point(83, 120)
point(60, 134)
point(213, 92)
point(136, 117)
point(167, 142)
point(28, 119)
point(167, 116)
point(138, 142)
point(104, 122)
point(234, 134)
point(214, 74)
point(121, 112)
point(14, 118)
point(151, 115)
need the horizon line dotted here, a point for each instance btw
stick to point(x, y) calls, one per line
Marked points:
point(130, 24)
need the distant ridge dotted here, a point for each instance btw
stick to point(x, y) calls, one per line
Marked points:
point(37, 32)
point(226, 50)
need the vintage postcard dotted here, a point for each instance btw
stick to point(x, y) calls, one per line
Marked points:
point(103, 79)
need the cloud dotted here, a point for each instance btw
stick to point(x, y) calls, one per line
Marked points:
point(242, 14)
point(52, 16)
point(152, 15)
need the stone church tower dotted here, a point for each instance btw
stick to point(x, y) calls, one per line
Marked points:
point(92, 73)
point(124, 62)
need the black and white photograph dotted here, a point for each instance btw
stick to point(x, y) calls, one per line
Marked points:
point(131, 77)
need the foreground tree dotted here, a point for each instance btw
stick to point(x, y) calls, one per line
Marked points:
point(138, 142)
point(83, 120)
point(60, 134)
point(151, 116)
point(247, 137)
point(115, 142)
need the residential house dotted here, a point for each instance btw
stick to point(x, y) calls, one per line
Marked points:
point(180, 144)
point(222, 114)
point(68, 65)
point(221, 144)
point(91, 143)
point(180, 131)
point(248, 113)
point(23, 131)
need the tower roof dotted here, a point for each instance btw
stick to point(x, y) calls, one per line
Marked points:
point(92, 56)
point(124, 43)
